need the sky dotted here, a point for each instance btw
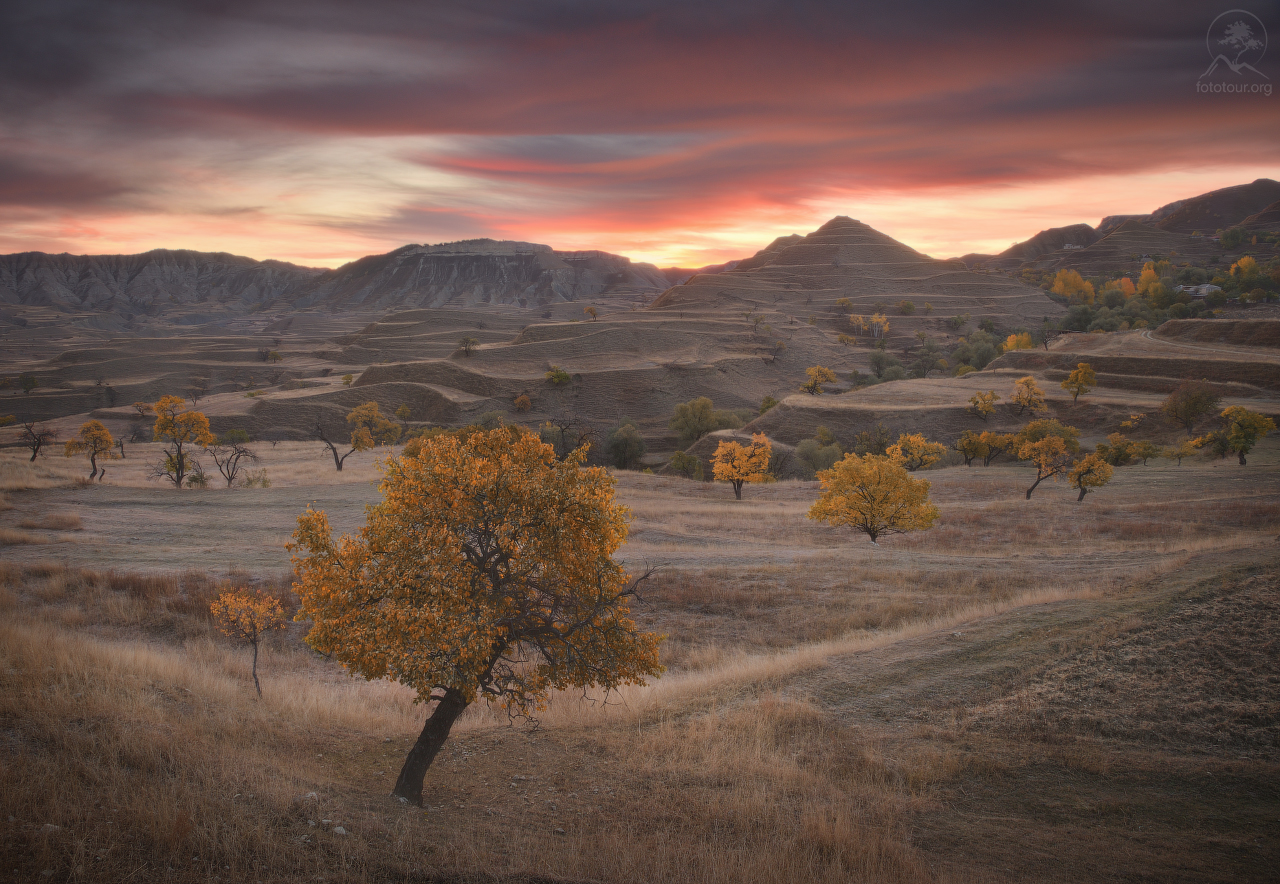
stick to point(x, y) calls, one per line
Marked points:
point(683, 133)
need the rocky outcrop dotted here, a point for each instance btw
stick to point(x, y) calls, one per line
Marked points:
point(480, 272)
point(146, 284)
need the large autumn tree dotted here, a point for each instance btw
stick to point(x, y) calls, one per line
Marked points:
point(181, 430)
point(486, 571)
point(1080, 381)
point(1189, 404)
point(1244, 428)
point(873, 494)
point(736, 463)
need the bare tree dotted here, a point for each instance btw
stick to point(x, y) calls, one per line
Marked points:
point(35, 438)
point(231, 448)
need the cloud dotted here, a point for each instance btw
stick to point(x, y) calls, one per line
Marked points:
point(682, 123)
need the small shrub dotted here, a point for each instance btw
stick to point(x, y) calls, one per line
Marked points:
point(906, 308)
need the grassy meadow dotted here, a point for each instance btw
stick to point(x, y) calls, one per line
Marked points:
point(1038, 690)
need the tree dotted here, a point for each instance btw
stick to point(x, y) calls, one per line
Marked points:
point(486, 571)
point(523, 403)
point(557, 376)
point(35, 438)
point(368, 428)
point(687, 465)
point(879, 325)
point(915, 452)
point(1018, 341)
point(818, 375)
point(95, 441)
point(231, 448)
point(875, 495)
point(1117, 450)
point(28, 383)
point(1183, 449)
point(983, 404)
point(1027, 395)
point(468, 345)
point(590, 311)
point(1244, 428)
point(1189, 404)
point(970, 446)
point(1045, 427)
point(248, 616)
point(1080, 381)
point(348, 379)
point(996, 444)
point(1049, 455)
point(625, 446)
point(694, 419)
point(181, 430)
point(736, 464)
point(906, 308)
point(1144, 451)
point(767, 404)
point(1069, 284)
point(1089, 472)
point(403, 413)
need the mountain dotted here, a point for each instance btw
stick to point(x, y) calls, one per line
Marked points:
point(177, 282)
point(480, 272)
point(807, 276)
point(185, 287)
point(1111, 222)
point(1218, 209)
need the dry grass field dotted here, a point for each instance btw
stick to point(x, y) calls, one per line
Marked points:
point(1031, 691)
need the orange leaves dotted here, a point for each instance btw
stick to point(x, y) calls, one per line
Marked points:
point(246, 615)
point(875, 495)
point(487, 568)
point(736, 463)
point(177, 425)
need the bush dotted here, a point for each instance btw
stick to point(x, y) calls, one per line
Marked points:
point(906, 308)
point(694, 419)
point(557, 376)
point(817, 456)
point(625, 446)
point(687, 465)
point(523, 403)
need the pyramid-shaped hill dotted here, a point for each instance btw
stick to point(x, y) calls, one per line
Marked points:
point(1134, 242)
point(845, 258)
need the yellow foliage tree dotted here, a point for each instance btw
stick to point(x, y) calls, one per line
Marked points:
point(970, 446)
point(368, 428)
point(1027, 395)
point(1080, 381)
point(735, 463)
point(818, 375)
point(879, 325)
point(984, 404)
point(1245, 271)
point(915, 452)
point(1069, 283)
point(996, 444)
point(1185, 448)
point(486, 571)
point(873, 494)
point(1019, 341)
point(1050, 456)
point(181, 430)
point(248, 616)
point(1244, 428)
point(1090, 472)
point(95, 441)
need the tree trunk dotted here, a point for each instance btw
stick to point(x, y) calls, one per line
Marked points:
point(93, 462)
point(434, 733)
point(1083, 491)
point(1038, 480)
point(255, 670)
point(1241, 453)
point(737, 489)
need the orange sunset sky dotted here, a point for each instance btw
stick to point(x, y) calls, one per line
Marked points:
point(678, 133)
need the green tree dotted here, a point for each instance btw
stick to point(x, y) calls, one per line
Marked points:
point(1189, 404)
point(468, 345)
point(625, 446)
point(486, 571)
point(687, 465)
point(694, 419)
point(557, 376)
point(767, 404)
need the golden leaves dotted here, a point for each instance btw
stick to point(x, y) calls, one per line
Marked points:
point(873, 494)
point(487, 568)
point(247, 615)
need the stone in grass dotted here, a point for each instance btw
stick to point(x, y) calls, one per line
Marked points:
point(338, 830)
